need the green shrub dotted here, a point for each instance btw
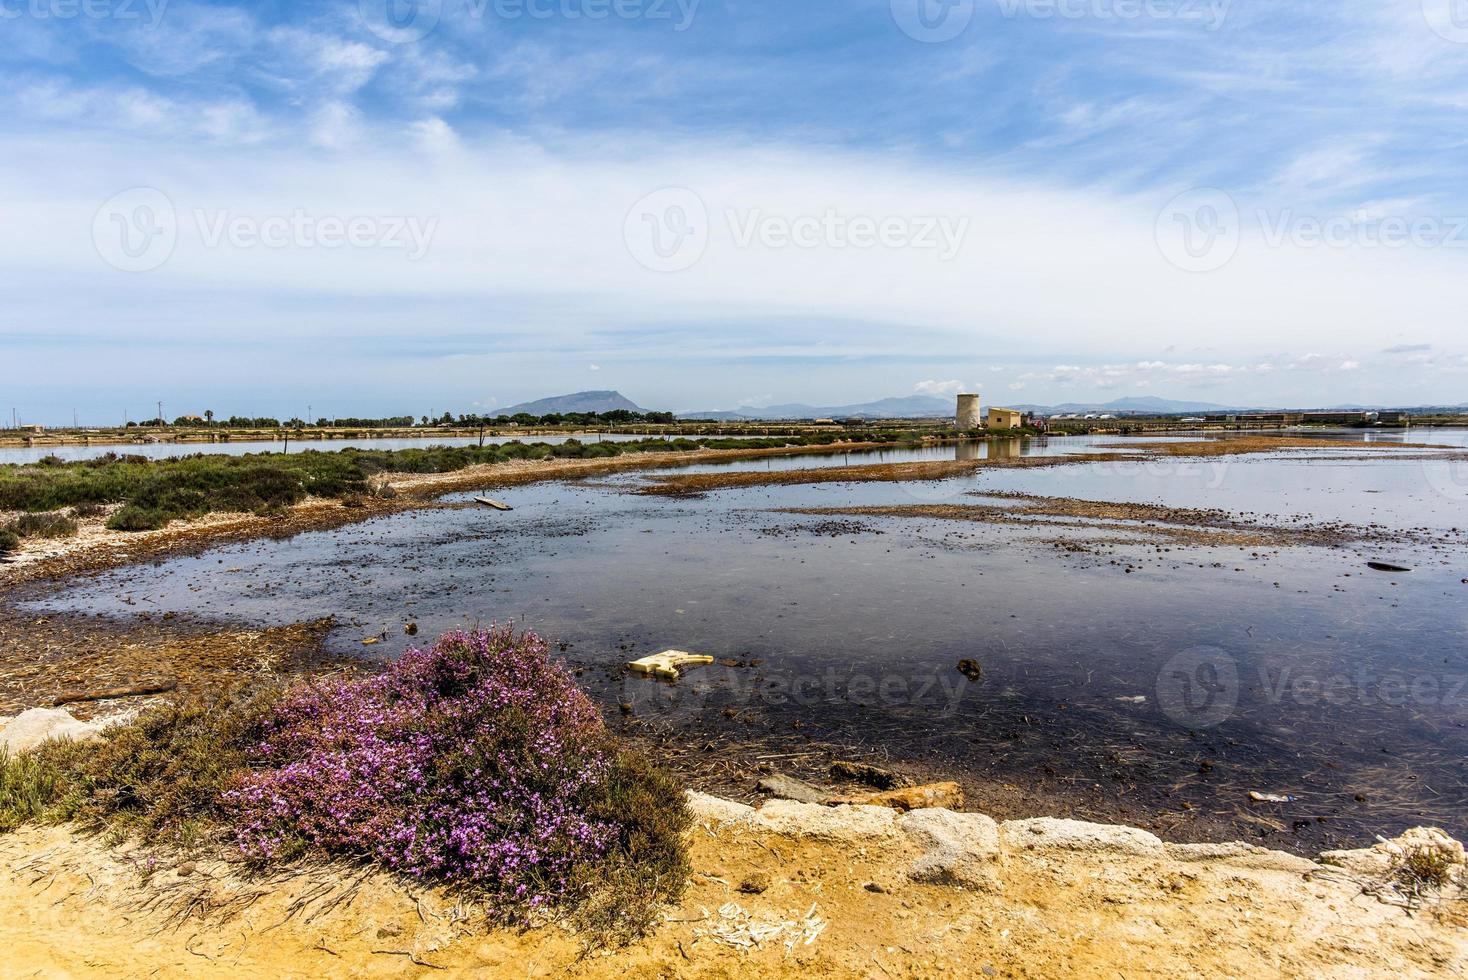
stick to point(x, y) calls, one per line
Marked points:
point(135, 518)
point(9, 541)
point(42, 526)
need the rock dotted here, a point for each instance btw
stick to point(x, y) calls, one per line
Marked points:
point(873, 776)
point(875, 888)
point(851, 824)
point(1390, 855)
point(1240, 855)
point(947, 795)
point(389, 930)
point(1386, 566)
point(755, 883)
point(711, 811)
point(958, 848)
point(30, 728)
point(790, 788)
point(1048, 833)
point(668, 663)
point(185, 869)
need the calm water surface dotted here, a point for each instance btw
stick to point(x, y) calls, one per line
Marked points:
point(1175, 680)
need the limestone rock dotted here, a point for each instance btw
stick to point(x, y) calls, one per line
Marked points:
point(1240, 855)
point(1048, 833)
point(947, 795)
point(958, 848)
point(30, 728)
point(714, 812)
point(790, 788)
point(1392, 854)
point(852, 824)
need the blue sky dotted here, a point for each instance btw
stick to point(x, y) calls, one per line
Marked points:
point(254, 208)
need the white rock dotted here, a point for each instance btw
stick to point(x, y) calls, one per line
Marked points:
point(1048, 833)
point(30, 728)
point(1391, 854)
point(958, 848)
point(1241, 855)
point(838, 823)
point(715, 812)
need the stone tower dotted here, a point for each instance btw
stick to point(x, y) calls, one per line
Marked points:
point(968, 416)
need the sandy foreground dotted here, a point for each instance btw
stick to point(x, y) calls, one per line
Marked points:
point(791, 889)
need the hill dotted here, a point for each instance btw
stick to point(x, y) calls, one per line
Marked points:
point(594, 402)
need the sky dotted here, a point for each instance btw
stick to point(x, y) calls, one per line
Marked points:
point(413, 206)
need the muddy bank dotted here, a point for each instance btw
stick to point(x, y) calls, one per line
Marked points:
point(1142, 522)
point(95, 548)
point(46, 658)
point(790, 888)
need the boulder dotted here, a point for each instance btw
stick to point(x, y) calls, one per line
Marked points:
point(1390, 855)
point(957, 848)
point(1048, 833)
point(790, 788)
point(30, 728)
point(947, 795)
point(853, 824)
point(711, 811)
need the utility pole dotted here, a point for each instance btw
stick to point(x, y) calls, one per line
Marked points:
point(160, 415)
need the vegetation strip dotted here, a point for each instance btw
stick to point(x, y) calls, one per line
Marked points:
point(476, 764)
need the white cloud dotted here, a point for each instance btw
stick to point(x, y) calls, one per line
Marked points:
point(938, 387)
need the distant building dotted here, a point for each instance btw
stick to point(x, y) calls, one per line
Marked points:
point(1006, 418)
point(969, 415)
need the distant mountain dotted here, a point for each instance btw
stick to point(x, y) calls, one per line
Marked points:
point(581, 401)
point(1151, 405)
point(909, 407)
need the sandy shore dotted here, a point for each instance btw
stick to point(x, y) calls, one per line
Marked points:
point(789, 889)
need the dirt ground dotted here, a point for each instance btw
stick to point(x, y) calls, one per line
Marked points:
point(763, 900)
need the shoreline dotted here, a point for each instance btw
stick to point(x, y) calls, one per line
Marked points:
point(825, 891)
point(198, 651)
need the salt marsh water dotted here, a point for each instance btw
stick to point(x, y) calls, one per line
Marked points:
point(1123, 674)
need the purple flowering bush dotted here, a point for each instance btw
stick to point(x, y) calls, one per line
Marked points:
point(477, 762)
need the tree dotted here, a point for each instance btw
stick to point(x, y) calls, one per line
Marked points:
point(209, 415)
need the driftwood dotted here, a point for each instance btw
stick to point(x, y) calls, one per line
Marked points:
point(491, 502)
point(133, 691)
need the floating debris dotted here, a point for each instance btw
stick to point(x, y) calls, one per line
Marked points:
point(1258, 797)
point(971, 669)
point(1382, 566)
point(667, 663)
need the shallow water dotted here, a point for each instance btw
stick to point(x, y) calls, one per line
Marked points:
point(1116, 671)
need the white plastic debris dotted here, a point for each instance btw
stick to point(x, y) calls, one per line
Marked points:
point(667, 663)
